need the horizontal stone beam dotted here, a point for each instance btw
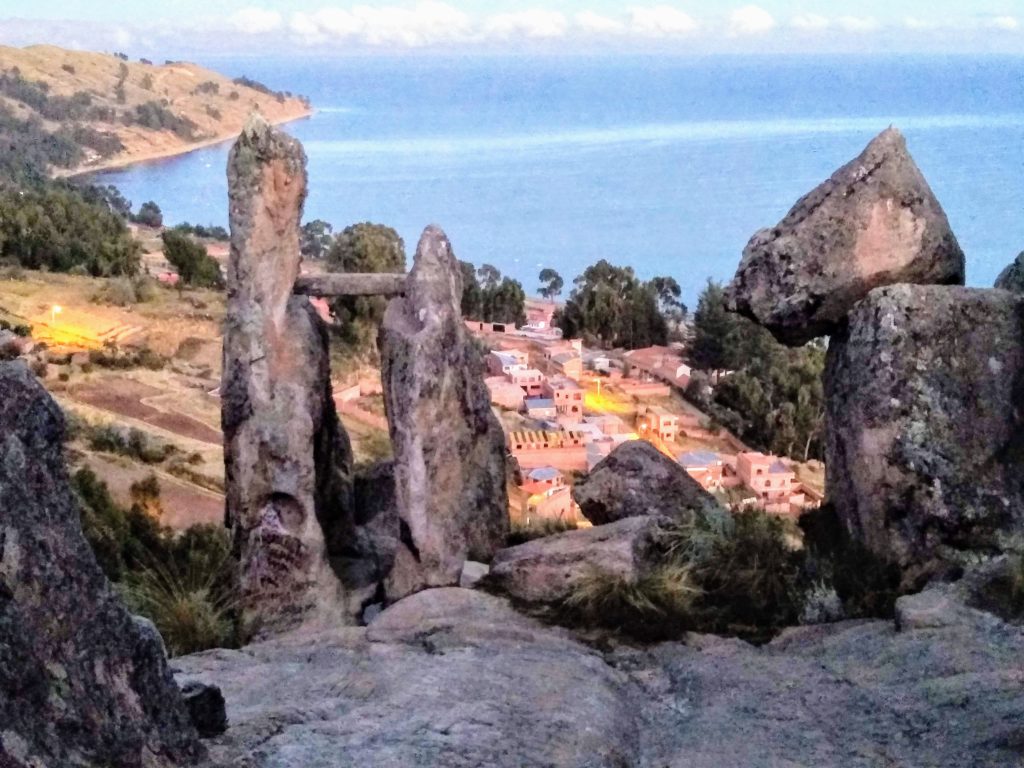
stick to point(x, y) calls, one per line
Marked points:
point(351, 284)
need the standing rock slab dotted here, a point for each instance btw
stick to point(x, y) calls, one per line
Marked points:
point(1012, 277)
point(876, 222)
point(925, 446)
point(449, 448)
point(287, 458)
point(81, 682)
point(637, 479)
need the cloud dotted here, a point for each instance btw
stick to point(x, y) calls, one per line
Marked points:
point(1005, 23)
point(661, 21)
point(534, 23)
point(255, 21)
point(750, 20)
point(809, 22)
point(425, 23)
point(857, 23)
point(595, 23)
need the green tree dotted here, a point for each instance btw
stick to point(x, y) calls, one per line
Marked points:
point(669, 302)
point(363, 247)
point(610, 307)
point(472, 293)
point(316, 239)
point(551, 283)
point(489, 276)
point(194, 265)
point(716, 332)
point(150, 215)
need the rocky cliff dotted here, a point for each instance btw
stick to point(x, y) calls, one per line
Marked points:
point(82, 682)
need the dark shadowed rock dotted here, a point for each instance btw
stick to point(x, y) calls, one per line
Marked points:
point(449, 448)
point(1012, 278)
point(206, 708)
point(874, 223)
point(287, 458)
point(925, 446)
point(637, 479)
point(543, 571)
point(81, 682)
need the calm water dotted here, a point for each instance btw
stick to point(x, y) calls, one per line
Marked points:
point(667, 165)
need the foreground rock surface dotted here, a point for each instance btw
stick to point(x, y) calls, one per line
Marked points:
point(449, 448)
point(81, 682)
point(876, 222)
point(287, 459)
point(544, 571)
point(925, 447)
point(456, 678)
point(637, 479)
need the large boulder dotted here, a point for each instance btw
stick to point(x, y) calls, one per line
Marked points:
point(457, 678)
point(1012, 277)
point(545, 570)
point(925, 446)
point(449, 447)
point(636, 479)
point(287, 458)
point(876, 222)
point(81, 681)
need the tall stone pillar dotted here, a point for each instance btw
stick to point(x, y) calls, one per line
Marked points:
point(449, 448)
point(287, 459)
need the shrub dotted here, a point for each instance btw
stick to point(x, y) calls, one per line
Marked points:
point(658, 606)
point(524, 532)
point(125, 292)
point(749, 576)
point(149, 215)
point(194, 265)
point(192, 597)
point(132, 443)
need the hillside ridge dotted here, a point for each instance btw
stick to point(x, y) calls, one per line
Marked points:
point(140, 110)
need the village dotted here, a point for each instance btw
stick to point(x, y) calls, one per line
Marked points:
point(565, 407)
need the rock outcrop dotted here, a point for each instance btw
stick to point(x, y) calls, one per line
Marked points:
point(925, 445)
point(287, 458)
point(636, 479)
point(1012, 277)
point(449, 448)
point(456, 678)
point(543, 571)
point(876, 222)
point(81, 681)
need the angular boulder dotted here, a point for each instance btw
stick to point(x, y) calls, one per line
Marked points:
point(287, 458)
point(449, 448)
point(81, 682)
point(1012, 277)
point(636, 479)
point(543, 571)
point(925, 445)
point(876, 222)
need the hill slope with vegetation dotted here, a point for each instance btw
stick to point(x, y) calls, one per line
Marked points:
point(103, 110)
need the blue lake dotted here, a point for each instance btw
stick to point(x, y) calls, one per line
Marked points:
point(667, 165)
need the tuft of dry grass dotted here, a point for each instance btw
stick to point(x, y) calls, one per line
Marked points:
point(654, 607)
point(193, 605)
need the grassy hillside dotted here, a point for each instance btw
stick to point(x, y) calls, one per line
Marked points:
point(101, 110)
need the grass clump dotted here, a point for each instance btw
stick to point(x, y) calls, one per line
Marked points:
point(191, 597)
point(185, 583)
point(521, 533)
point(133, 443)
point(718, 573)
point(658, 606)
point(125, 291)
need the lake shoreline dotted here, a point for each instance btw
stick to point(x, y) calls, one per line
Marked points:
point(121, 163)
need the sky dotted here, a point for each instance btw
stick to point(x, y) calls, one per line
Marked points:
point(185, 27)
